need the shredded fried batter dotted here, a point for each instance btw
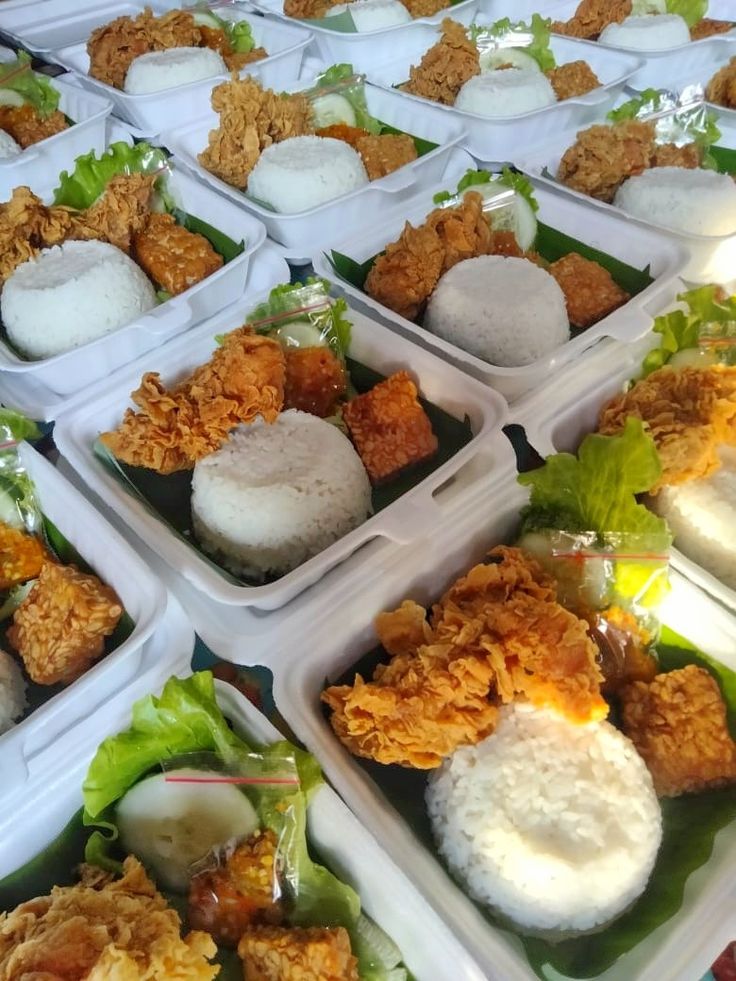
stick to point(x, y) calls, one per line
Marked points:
point(119, 213)
point(175, 427)
point(425, 8)
point(572, 79)
point(602, 157)
point(689, 156)
point(173, 257)
point(721, 88)
point(27, 126)
point(21, 556)
point(27, 226)
point(446, 66)
point(309, 9)
point(678, 724)
point(497, 634)
point(707, 27)
point(315, 380)
point(298, 954)
point(590, 291)
point(689, 412)
point(592, 16)
point(102, 929)
point(382, 155)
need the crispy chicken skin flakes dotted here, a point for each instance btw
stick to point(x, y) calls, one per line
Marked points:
point(497, 634)
point(102, 929)
point(678, 724)
point(59, 629)
point(689, 413)
point(707, 27)
point(27, 126)
point(722, 87)
point(446, 67)
point(27, 226)
point(592, 16)
point(315, 380)
point(119, 213)
point(21, 556)
point(572, 79)
point(590, 291)
point(175, 427)
point(173, 257)
point(298, 954)
point(308, 9)
point(602, 157)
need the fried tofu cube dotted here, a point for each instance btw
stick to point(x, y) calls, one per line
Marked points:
point(382, 155)
point(315, 380)
point(21, 556)
point(572, 79)
point(59, 629)
point(678, 724)
point(390, 429)
point(173, 257)
point(590, 291)
point(298, 954)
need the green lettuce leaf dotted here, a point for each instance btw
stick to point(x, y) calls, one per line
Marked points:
point(14, 425)
point(692, 121)
point(507, 178)
point(691, 11)
point(344, 81)
point(35, 89)
point(91, 173)
point(538, 47)
point(285, 299)
point(335, 74)
point(681, 330)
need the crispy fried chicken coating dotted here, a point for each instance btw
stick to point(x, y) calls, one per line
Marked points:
point(175, 427)
point(497, 634)
point(21, 556)
point(389, 428)
point(425, 8)
point(119, 213)
point(382, 155)
point(446, 66)
point(689, 412)
point(59, 629)
point(341, 131)
point(173, 257)
point(689, 156)
point(309, 9)
point(27, 126)
point(721, 88)
point(112, 47)
point(175, 29)
point(707, 27)
point(27, 226)
point(678, 724)
point(315, 380)
point(590, 291)
point(218, 40)
point(298, 954)
point(602, 157)
point(572, 79)
point(592, 16)
point(100, 929)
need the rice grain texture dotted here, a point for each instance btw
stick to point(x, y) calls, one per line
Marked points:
point(654, 32)
point(700, 202)
point(12, 692)
point(159, 70)
point(373, 15)
point(507, 92)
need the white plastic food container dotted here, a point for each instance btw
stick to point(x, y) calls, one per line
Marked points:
point(317, 228)
point(285, 43)
point(29, 743)
point(68, 373)
point(634, 244)
point(499, 139)
point(699, 63)
point(403, 521)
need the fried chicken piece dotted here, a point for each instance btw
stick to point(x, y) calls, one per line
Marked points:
point(405, 275)
point(175, 427)
point(21, 556)
point(389, 428)
point(212, 37)
point(382, 155)
point(446, 66)
point(689, 412)
point(59, 629)
point(225, 901)
point(100, 929)
point(27, 126)
point(27, 226)
point(298, 954)
point(173, 257)
point(175, 29)
point(572, 79)
point(707, 27)
point(602, 157)
point(497, 634)
point(463, 230)
point(590, 291)
point(309, 9)
point(721, 88)
point(678, 724)
point(340, 131)
point(112, 47)
point(315, 380)
point(121, 211)
point(425, 8)
point(689, 156)
point(592, 16)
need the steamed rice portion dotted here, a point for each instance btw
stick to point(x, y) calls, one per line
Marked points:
point(655, 32)
point(159, 70)
point(13, 701)
point(8, 146)
point(700, 202)
point(553, 825)
point(372, 15)
point(508, 92)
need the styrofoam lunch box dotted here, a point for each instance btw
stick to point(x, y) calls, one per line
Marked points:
point(428, 947)
point(613, 234)
point(141, 594)
point(37, 401)
point(699, 63)
point(302, 233)
point(499, 139)
point(73, 370)
point(679, 950)
point(371, 344)
point(285, 44)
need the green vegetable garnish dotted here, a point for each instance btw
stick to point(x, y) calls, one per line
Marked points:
point(507, 178)
point(36, 90)
point(694, 121)
point(286, 299)
point(340, 83)
point(91, 173)
point(239, 33)
point(691, 11)
point(681, 330)
point(538, 47)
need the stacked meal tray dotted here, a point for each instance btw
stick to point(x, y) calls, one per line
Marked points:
point(367, 490)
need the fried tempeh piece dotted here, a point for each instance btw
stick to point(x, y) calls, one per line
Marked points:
point(572, 79)
point(298, 954)
point(590, 291)
point(21, 556)
point(382, 155)
point(173, 257)
point(446, 66)
point(315, 380)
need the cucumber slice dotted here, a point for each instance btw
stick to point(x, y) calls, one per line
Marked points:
point(299, 333)
point(331, 110)
point(692, 357)
point(14, 598)
point(521, 220)
point(8, 97)
point(204, 18)
point(373, 944)
point(503, 57)
point(169, 826)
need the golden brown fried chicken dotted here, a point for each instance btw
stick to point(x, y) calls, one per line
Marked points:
point(707, 27)
point(308, 9)
point(102, 929)
point(217, 40)
point(592, 16)
point(173, 257)
point(315, 380)
point(721, 88)
point(59, 629)
point(21, 556)
point(446, 66)
point(590, 291)
point(572, 79)
point(112, 47)
point(175, 29)
point(689, 412)
point(689, 156)
point(27, 226)
point(425, 8)
point(27, 126)
point(340, 131)
point(175, 427)
point(382, 155)
point(602, 157)
point(298, 954)
point(678, 724)
point(497, 634)
point(463, 230)
point(121, 211)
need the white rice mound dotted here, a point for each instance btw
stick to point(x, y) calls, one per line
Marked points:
point(72, 294)
point(8, 146)
point(702, 517)
point(373, 15)
point(510, 92)
point(276, 494)
point(654, 32)
point(701, 202)
point(304, 172)
point(506, 311)
point(553, 825)
point(159, 70)
point(12, 692)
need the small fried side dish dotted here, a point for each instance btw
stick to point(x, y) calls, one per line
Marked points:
point(176, 427)
point(27, 126)
point(590, 291)
point(173, 257)
point(390, 429)
point(678, 724)
point(382, 155)
point(572, 79)
point(59, 629)
point(446, 66)
point(721, 88)
point(21, 556)
point(315, 380)
point(298, 954)
point(100, 929)
point(591, 16)
point(708, 27)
